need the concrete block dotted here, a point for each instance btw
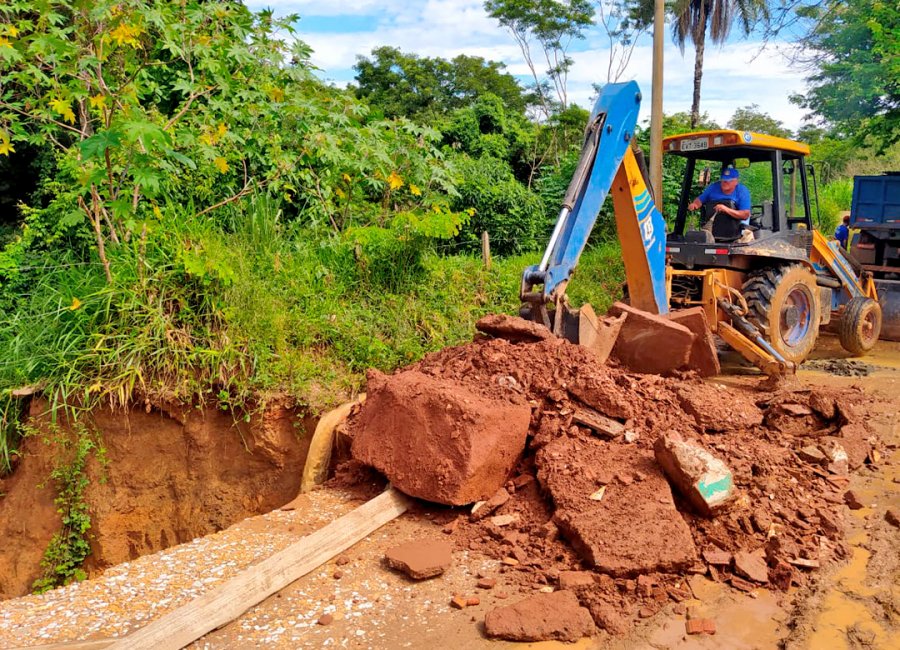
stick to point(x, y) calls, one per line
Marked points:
point(702, 478)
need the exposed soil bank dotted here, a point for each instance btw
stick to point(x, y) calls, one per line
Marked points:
point(168, 477)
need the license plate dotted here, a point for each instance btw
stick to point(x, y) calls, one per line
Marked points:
point(695, 145)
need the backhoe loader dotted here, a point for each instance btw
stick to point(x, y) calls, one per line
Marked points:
point(765, 292)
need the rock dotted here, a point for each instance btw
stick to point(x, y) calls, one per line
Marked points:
point(891, 517)
point(572, 579)
point(598, 334)
point(752, 565)
point(822, 404)
point(504, 520)
point(337, 575)
point(459, 602)
point(703, 356)
point(420, 559)
point(717, 557)
point(635, 529)
point(782, 575)
point(638, 346)
point(483, 508)
point(472, 601)
point(326, 619)
point(512, 328)
point(486, 583)
point(813, 455)
point(852, 500)
point(700, 626)
point(608, 618)
point(543, 617)
point(701, 477)
point(797, 410)
point(412, 421)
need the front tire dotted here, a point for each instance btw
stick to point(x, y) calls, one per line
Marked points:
point(784, 305)
point(860, 325)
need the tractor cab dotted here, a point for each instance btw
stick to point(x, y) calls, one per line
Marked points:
point(772, 169)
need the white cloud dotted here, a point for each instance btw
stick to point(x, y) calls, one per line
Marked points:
point(733, 76)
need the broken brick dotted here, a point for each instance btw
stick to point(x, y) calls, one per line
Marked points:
point(700, 626)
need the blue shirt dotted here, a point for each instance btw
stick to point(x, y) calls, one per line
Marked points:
point(842, 234)
point(740, 196)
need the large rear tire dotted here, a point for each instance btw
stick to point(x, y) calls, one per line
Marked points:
point(784, 305)
point(860, 325)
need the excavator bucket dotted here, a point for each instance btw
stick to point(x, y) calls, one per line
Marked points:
point(889, 298)
point(582, 326)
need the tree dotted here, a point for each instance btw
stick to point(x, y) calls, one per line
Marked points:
point(408, 85)
point(852, 50)
point(750, 118)
point(694, 17)
point(554, 24)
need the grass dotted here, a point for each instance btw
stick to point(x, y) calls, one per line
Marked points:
point(247, 308)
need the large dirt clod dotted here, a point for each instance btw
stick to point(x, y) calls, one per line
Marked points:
point(703, 356)
point(649, 343)
point(634, 528)
point(544, 617)
point(436, 440)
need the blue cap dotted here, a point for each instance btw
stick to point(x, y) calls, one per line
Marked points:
point(730, 174)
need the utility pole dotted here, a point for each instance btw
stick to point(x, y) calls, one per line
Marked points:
point(656, 112)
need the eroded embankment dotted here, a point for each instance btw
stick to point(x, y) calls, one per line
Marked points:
point(163, 478)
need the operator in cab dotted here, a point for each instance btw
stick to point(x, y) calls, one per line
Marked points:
point(728, 197)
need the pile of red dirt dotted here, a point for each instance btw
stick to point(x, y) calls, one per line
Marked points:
point(591, 498)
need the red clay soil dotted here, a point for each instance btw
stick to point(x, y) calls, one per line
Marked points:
point(633, 527)
point(166, 479)
point(788, 510)
point(556, 616)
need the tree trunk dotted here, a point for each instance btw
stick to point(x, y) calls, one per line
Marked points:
point(699, 45)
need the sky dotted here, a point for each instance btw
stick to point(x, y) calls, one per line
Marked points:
point(736, 74)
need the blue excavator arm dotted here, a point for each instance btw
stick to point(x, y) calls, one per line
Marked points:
point(607, 165)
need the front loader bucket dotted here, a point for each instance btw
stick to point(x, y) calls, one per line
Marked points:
point(889, 298)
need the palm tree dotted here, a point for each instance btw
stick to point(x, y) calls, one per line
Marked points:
point(694, 17)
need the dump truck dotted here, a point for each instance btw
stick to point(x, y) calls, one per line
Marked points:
point(875, 214)
point(765, 297)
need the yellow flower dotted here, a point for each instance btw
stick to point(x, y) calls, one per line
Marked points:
point(98, 101)
point(221, 164)
point(125, 33)
point(340, 193)
point(63, 108)
point(346, 177)
point(4, 42)
point(12, 30)
point(276, 94)
point(394, 181)
point(6, 147)
point(76, 303)
point(222, 130)
point(414, 189)
point(157, 212)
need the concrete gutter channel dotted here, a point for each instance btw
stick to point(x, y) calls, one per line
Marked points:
point(564, 541)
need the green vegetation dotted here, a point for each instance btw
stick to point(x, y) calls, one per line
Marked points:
point(69, 546)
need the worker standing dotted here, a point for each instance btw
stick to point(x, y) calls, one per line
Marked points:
point(842, 232)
